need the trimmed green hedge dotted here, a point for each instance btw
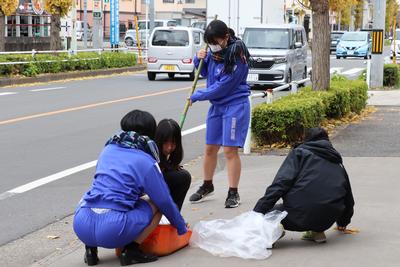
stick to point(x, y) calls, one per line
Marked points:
point(287, 118)
point(391, 75)
point(62, 62)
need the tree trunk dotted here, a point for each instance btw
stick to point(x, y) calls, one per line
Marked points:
point(320, 45)
point(2, 38)
point(55, 40)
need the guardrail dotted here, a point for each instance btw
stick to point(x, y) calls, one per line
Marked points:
point(269, 95)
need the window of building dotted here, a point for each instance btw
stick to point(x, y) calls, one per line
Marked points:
point(190, 1)
point(168, 1)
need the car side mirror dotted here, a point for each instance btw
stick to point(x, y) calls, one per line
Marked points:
point(298, 45)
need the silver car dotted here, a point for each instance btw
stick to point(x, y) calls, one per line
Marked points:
point(171, 50)
point(130, 35)
point(279, 53)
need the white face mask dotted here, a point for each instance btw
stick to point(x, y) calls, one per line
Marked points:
point(215, 48)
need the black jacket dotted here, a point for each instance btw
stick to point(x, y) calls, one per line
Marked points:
point(314, 186)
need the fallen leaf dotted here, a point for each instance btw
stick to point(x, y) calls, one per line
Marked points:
point(350, 231)
point(53, 236)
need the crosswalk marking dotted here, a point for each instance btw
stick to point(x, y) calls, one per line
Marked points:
point(352, 71)
point(337, 70)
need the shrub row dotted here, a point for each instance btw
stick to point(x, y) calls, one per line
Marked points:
point(286, 119)
point(391, 75)
point(62, 62)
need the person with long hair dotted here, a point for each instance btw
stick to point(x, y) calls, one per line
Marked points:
point(114, 212)
point(226, 66)
point(169, 141)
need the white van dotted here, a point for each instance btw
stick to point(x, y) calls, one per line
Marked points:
point(130, 35)
point(171, 50)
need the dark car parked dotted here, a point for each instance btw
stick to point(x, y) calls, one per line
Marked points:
point(335, 36)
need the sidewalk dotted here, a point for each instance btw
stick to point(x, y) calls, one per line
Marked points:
point(375, 182)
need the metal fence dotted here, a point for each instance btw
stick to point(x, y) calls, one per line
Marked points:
point(269, 96)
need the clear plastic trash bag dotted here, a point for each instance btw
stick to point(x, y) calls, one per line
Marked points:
point(247, 236)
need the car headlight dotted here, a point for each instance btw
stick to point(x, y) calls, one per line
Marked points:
point(280, 60)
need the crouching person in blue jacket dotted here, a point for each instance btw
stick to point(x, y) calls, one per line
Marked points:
point(113, 213)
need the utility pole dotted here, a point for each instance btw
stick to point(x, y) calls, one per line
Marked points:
point(74, 45)
point(377, 60)
point(85, 29)
point(97, 24)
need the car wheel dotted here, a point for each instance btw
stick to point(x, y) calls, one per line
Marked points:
point(337, 57)
point(171, 75)
point(344, 57)
point(129, 42)
point(151, 76)
point(192, 75)
point(366, 56)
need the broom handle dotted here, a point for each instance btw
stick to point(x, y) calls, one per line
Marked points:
point(196, 78)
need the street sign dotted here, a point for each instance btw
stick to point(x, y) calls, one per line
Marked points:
point(377, 41)
point(97, 15)
point(106, 1)
point(114, 22)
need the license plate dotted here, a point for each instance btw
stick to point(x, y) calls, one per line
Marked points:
point(251, 77)
point(169, 67)
point(350, 52)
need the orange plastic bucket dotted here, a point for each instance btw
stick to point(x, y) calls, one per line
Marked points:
point(164, 240)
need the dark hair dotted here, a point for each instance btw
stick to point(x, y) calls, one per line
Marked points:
point(315, 134)
point(231, 32)
point(141, 122)
point(169, 130)
point(216, 29)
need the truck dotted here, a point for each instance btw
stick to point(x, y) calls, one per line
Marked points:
point(238, 14)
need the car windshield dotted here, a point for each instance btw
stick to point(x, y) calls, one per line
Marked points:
point(354, 36)
point(170, 38)
point(267, 38)
point(336, 36)
point(142, 24)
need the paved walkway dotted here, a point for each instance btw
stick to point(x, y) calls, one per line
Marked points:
point(371, 153)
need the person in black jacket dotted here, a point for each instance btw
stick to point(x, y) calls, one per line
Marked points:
point(314, 186)
point(169, 141)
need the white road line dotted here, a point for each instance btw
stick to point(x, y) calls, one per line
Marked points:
point(54, 177)
point(32, 185)
point(8, 93)
point(352, 71)
point(193, 130)
point(47, 89)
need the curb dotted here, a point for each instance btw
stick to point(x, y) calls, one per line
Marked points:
point(67, 75)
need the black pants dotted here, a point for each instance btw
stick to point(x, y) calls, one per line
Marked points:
point(287, 223)
point(178, 182)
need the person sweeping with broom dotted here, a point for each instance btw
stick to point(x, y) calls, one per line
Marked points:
point(226, 65)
